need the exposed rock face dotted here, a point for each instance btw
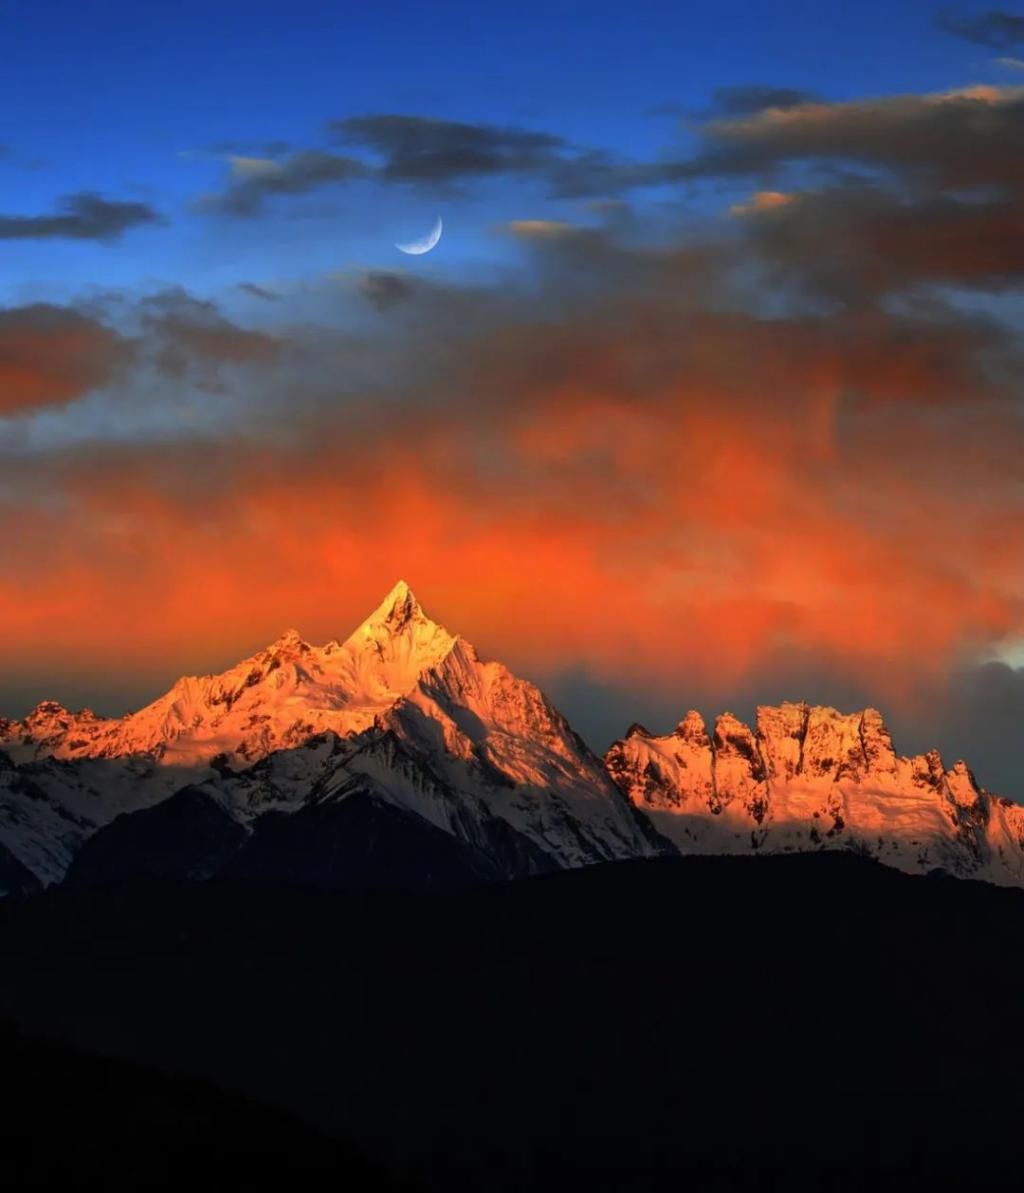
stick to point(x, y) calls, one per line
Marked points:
point(814, 778)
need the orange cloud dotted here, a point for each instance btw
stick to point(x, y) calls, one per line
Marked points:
point(761, 202)
point(50, 355)
point(618, 467)
point(701, 530)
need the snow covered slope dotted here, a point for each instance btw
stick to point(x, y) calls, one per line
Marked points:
point(403, 704)
point(813, 778)
point(273, 700)
point(403, 732)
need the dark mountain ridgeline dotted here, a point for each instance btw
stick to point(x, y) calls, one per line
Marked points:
point(16, 879)
point(290, 880)
point(188, 836)
point(796, 1023)
point(76, 1121)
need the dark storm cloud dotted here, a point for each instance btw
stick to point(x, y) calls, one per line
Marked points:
point(420, 149)
point(84, 216)
point(384, 290)
point(996, 29)
point(756, 97)
point(256, 179)
point(50, 355)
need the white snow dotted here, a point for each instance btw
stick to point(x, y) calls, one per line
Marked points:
point(269, 733)
point(815, 778)
point(413, 709)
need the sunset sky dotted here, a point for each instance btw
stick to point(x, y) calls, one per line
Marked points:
point(711, 394)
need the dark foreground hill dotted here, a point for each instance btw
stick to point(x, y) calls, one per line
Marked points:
point(803, 1022)
point(73, 1121)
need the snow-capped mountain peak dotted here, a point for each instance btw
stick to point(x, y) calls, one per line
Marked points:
point(811, 777)
point(402, 709)
point(405, 716)
point(396, 644)
point(275, 699)
point(396, 610)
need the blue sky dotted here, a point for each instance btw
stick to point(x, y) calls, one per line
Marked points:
point(132, 102)
point(780, 439)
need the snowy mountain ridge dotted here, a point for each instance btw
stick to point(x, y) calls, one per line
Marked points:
point(810, 777)
point(275, 699)
point(401, 742)
point(402, 712)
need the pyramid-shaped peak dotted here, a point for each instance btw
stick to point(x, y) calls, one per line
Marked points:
point(397, 609)
point(401, 592)
point(398, 629)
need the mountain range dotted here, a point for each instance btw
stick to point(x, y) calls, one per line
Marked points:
point(400, 757)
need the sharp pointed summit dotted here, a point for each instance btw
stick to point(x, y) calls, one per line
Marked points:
point(403, 713)
point(401, 599)
point(398, 609)
point(406, 721)
point(394, 646)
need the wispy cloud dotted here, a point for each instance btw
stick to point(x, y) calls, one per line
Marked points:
point(997, 29)
point(757, 97)
point(539, 229)
point(83, 216)
point(420, 149)
point(965, 137)
point(385, 289)
point(256, 291)
point(254, 179)
point(761, 202)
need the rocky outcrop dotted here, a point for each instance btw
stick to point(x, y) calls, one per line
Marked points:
point(815, 778)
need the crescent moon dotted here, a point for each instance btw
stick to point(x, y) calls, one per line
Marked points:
point(416, 248)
